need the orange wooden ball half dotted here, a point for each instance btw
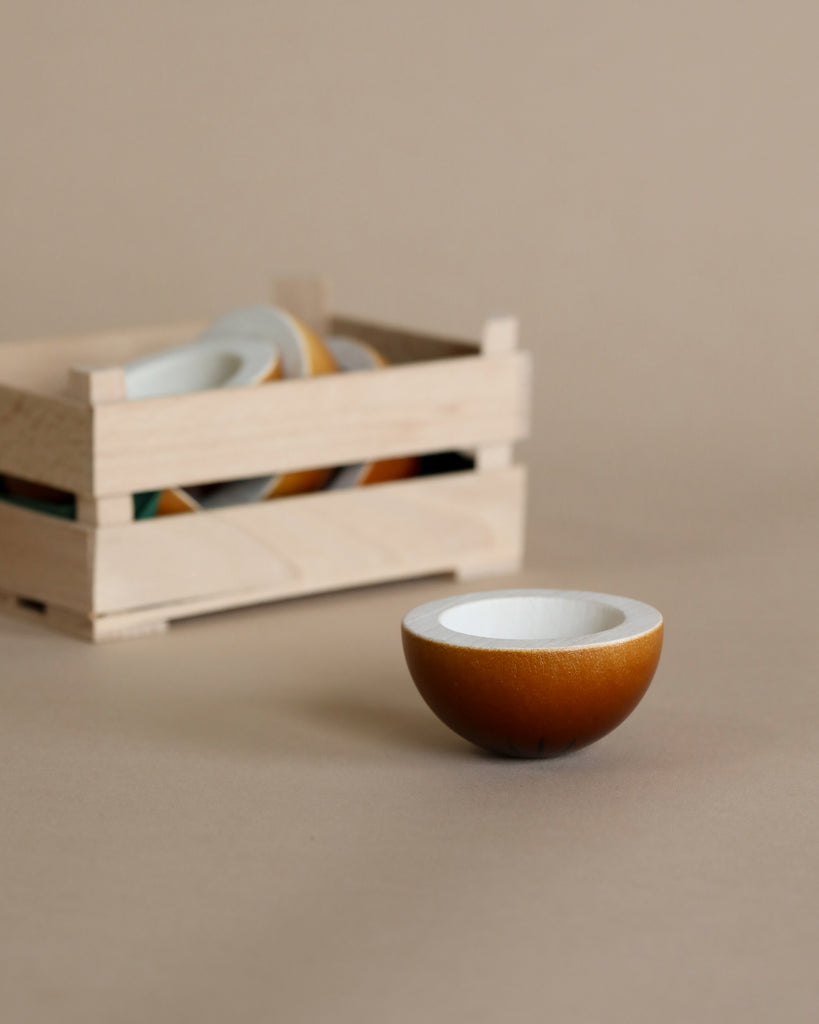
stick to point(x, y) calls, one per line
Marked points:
point(533, 673)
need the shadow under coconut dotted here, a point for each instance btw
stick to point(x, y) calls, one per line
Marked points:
point(362, 719)
point(256, 722)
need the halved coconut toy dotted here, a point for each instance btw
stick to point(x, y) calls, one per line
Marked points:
point(202, 365)
point(211, 361)
point(533, 673)
point(353, 356)
point(303, 354)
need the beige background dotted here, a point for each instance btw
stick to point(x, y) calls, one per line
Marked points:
point(255, 818)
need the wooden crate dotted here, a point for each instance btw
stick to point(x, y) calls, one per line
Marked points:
point(64, 422)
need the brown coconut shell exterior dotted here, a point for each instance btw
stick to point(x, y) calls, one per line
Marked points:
point(535, 702)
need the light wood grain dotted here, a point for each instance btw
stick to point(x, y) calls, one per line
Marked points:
point(399, 345)
point(306, 544)
point(499, 335)
point(60, 619)
point(302, 424)
point(127, 627)
point(105, 511)
point(493, 456)
point(79, 626)
point(47, 440)
point(45, 559)
point(93, 384)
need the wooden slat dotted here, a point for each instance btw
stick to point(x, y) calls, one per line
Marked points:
point(126, 627)
point(45, 559)
point(400, 345)
point(499, 335)
point(178, 566)
point(82, 627)
point(118, 508)
point(45, 439)
point(493, 456)
point(301, 424)
point(63, 621)
point(93, 385)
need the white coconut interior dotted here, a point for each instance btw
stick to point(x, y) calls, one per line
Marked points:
point(228, 362)
point(532, 619)
point(264, 323)
point(174, 373)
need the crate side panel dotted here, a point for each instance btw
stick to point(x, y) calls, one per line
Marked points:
point(42, 364)
point(47, 440)
point(301, 424)
point(400, 345)
point(318, 542)
point(45, 559)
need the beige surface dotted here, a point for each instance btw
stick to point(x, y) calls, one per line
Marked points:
point(253, 817)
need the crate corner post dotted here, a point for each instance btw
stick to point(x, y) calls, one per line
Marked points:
point(306, 296)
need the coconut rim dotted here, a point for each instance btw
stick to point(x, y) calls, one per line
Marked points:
point(636, 619)
point(255, 360)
